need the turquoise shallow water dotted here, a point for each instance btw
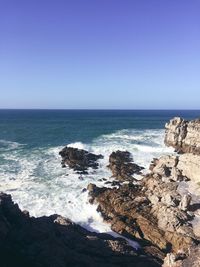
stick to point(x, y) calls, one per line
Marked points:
point(30, 141)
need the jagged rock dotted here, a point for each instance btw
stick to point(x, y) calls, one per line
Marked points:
point(58, 242)
point(171, 261)
point(169, 218)
point(78, 159)
point(189, 165)
point(133, 213)
point(176, 174)
point(122, 166)
point(150, 210)
point(178, 168)
point(192, 259)
point(169, 200)
point(185, 202)
point(183, 135)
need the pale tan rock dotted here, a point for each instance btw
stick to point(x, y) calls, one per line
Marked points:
point(185, 202)
point(169, 200)
point(170, 261)
point(176, 174)
point(183, 135)
point(189, 164)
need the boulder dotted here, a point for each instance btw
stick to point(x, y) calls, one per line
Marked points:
point(122, 165)
point(189, 165)
point(183, 135)
point(78, 159)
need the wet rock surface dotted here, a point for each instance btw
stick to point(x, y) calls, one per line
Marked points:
point(78, 159)
point(122, 166)
point(56, 241)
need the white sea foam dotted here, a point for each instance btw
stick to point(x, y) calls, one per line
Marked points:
point(78, 145)
point(8, 145)
point(39, 184)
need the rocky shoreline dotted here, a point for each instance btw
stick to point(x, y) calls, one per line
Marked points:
point(155, 211)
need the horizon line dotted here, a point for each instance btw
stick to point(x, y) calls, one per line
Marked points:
point(104, 109)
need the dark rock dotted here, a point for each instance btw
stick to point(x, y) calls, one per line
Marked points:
point(57, 242)
point(122, 166)
point(84, 190)
point(79, 160)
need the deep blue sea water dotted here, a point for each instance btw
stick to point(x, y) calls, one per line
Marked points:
point(58, 127)
point(30, 141)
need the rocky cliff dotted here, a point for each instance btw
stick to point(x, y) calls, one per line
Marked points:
point(151, 211)
point(57, 242)
point(183, 135)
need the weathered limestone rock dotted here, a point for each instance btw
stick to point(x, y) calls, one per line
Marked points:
point(183, 135)
point(189, 165)
point(192, 259)
point(185, 202)
point(171, 261)
point(132, 213)
point(177, 168)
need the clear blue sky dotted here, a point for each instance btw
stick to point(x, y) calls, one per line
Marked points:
point(125, 54)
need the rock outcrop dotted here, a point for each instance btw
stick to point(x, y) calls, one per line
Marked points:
point(78, 159)
point(178, 168)
point(180, 260)
point(183, 135)
point(150, 210)
point(122, 166)
point(58, 242)
point(137, 212)
point(189, 165)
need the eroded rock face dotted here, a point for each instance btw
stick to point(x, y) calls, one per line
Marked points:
point(122, 166)
point(181, 260)
point(150, 210)
point(178, 168)
point(56, 241)
point(183, 135)
point(128, 211)
point(189, 165)
point(78, 159)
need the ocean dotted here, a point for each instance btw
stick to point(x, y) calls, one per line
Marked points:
point(30, 165)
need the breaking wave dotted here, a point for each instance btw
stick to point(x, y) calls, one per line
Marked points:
point(38, 184)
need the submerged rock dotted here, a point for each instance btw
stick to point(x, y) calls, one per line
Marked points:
point(78, 159)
